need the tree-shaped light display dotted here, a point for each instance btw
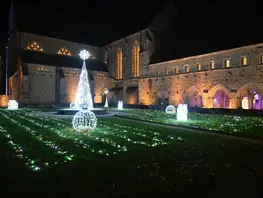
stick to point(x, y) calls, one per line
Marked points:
point(12, 105)
point(182, 112)
point(170, 109)
point(83, 98)
point(84, 120)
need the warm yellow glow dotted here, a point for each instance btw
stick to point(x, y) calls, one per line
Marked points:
point(244, 60)
point(198, 67)
point(136, 58)
point(212, 64)
point(64, 51)
point(119, 64)
point(34, 47)
point(3, 100)
point(227, 63)
point(186, 69)
point(176, 70)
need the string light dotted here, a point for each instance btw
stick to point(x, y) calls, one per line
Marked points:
point(84, 120)
point(83, 98)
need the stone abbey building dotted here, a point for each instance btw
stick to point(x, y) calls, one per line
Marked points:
point(45, 71)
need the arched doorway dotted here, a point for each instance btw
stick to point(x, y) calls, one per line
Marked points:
point(220, 99)
point(162, 98)
point(251, 97)
point(194, 98)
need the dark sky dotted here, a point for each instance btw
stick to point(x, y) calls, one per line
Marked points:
point(98, 22)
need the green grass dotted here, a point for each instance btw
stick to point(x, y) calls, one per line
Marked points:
point(235, 125)
point(119, 158)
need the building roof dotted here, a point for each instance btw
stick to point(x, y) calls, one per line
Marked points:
point(61, 61)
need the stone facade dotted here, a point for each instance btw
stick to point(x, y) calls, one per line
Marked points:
point(224, 79)
point(207, 75)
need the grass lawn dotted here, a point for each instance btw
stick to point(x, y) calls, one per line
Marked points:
point(43, 156)
point(236, 125)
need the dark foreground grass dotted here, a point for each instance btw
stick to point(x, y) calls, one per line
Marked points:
point(243, 126)
point(120, 159)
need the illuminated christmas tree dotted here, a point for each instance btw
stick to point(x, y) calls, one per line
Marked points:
point(83, 98)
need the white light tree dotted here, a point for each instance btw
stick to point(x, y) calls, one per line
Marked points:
point(83, 98)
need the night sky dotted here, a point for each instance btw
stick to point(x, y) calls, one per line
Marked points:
point(99, 22)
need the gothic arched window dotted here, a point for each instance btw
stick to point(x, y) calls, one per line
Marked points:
point(119, 64)
point(136, 59)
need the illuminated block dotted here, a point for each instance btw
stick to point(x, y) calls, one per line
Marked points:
point(182, 112)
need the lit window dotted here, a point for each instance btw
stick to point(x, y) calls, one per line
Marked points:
point(136, 57)
point(166, 72)
point(212, 64)
point(198, 67)
point(227, 63)
point(244, 61)
point(34, 47)
point(64, 51)
point(261, 58)
point(186, 69)
point(157, 73)
point(176, 70)
point(119, 64)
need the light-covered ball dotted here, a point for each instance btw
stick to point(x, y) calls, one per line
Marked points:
point(84, 120)
point(12, 105)
point(170, 109)
point(72, 105)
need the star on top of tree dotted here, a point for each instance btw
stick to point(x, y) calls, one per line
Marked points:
point(84, 54)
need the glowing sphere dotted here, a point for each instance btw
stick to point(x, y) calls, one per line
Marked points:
point(12, 104)
point(84, 120)
point(170, 109)
point(72, 105)
point(182, 112)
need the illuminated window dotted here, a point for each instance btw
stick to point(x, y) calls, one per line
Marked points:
point(244, 61)
point(198, 67)
point(186, 68)
point(34, 47)
point(261, 58)
point(157, 73)
point(212, 64)
point(119, 64)
point(176, 70)
point(166, 72)
point(64, 51)
point(227, 63)
point(136, 63)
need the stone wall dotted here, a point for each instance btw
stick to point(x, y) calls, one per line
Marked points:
point(126, 45)
point(53, 45)
point(235, 81)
